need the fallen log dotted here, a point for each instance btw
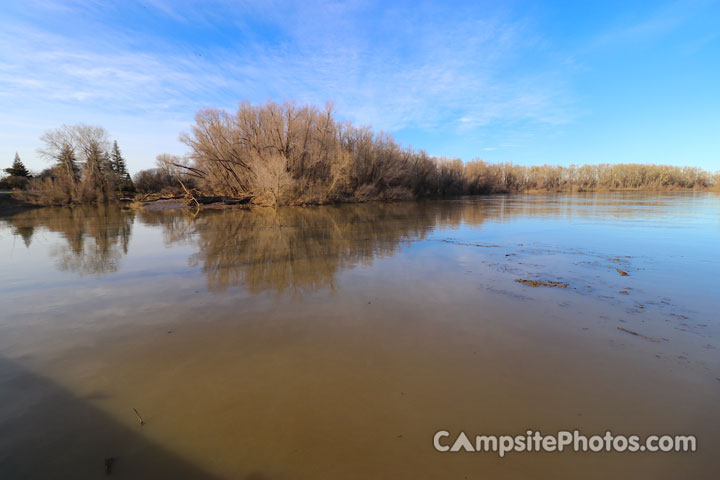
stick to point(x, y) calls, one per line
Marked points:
point(197, 198)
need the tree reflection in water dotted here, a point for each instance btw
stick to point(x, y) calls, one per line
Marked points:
point(293, 249)
point(95, 237)
point(298, 249)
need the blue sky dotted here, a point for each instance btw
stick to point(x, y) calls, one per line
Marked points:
point(528, 82)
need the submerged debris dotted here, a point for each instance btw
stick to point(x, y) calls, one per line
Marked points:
point(622, 274)
point(484, 245)
point(638, 334)
point(619, 259)
point(536, 283)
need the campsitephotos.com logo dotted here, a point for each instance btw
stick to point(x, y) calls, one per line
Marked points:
point(535, 441)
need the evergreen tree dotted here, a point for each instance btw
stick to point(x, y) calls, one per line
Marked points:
point(18, 175)
point(117, 163)
point(67, 161)
point(128, 184)
point(94, 173)
point(18, 168)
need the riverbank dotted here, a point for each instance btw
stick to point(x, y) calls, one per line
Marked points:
point(158, 202)
point(11, 206)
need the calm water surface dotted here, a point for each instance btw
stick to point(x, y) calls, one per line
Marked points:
point(333, 342)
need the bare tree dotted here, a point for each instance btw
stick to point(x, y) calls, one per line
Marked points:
point(83, 172)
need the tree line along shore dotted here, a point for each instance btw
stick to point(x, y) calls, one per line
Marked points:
point(284, 154)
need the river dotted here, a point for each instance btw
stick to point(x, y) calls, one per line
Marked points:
point(332, 342)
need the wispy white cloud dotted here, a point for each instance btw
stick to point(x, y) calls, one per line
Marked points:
point(393, 68)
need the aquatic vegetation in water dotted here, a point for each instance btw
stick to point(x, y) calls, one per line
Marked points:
point(538, 283)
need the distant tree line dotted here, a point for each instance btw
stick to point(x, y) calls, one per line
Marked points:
point(285, 154)
point(480, 177)
point(169, 177)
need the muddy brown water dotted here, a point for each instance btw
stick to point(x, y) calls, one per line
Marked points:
point(333, 342)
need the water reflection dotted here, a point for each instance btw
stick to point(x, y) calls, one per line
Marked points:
point(297, 249)
point(303, 249)
point(300, 249)
point(95, 238)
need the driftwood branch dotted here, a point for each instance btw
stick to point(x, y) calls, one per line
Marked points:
point(638, 334)
point(142, 422)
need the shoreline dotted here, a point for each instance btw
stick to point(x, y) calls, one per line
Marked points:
point(11, 206)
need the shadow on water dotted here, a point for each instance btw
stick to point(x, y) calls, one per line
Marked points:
point(47, 432)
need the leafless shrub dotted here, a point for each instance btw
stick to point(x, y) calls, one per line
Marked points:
point(285, 154)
